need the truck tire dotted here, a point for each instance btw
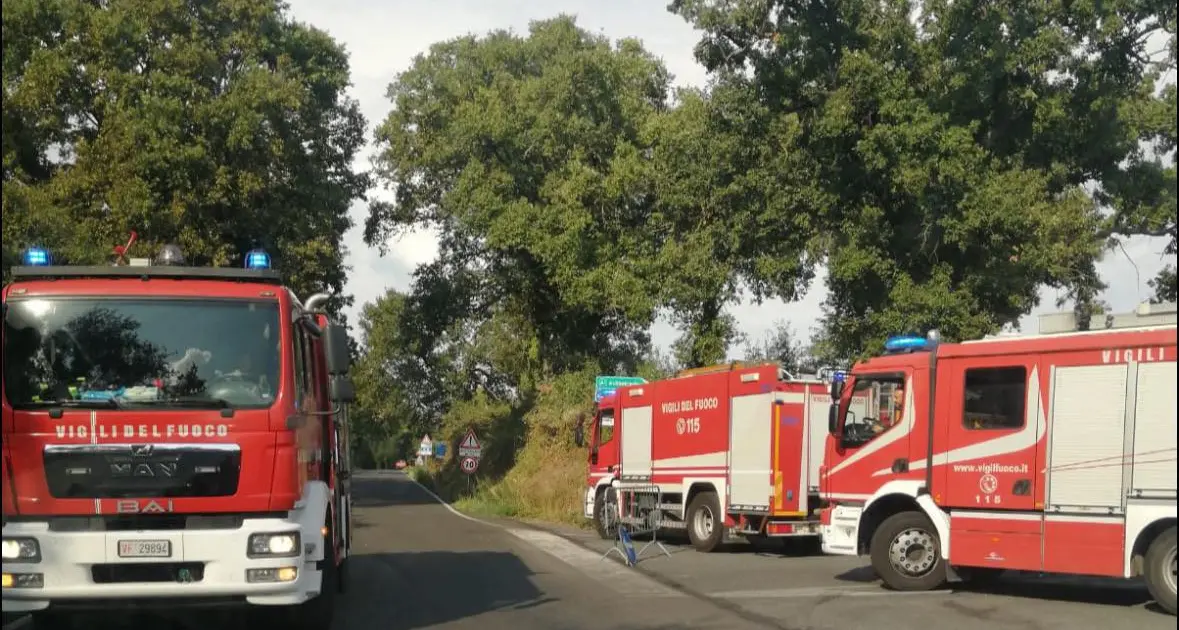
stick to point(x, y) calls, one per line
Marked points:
point(906, 553)
point(342, 577)
point(706, 524)
point(1160, 570)
point(318, 613)
point(606, 513)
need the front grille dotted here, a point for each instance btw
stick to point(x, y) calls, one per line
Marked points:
point(137, 522)
point(181, 572)
point(116, 471)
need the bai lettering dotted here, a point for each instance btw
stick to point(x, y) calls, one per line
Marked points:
point(150, 506)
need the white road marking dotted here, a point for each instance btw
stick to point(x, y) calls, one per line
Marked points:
point(619, 578)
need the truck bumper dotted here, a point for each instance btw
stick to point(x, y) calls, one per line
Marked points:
point(840, 530)
point(80, 569)
point(591, 495)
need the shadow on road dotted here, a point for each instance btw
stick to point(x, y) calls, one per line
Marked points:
point(1091, 590)
point(859, 575)
point(386, 489)
point(406, 591)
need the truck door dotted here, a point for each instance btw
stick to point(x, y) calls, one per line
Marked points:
point(992, 424)
point(873, 445)
point(603, 456)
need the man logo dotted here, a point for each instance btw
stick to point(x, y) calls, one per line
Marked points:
point(142, 450)
point(165, 470)
point(149, 506)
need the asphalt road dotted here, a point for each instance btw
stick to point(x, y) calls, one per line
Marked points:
point(416, 564)
point(795, 587)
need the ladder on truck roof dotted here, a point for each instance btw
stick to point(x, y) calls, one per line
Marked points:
point(1146, 317)
point(734, 366)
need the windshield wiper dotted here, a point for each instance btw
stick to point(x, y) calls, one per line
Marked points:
point(199, 402)
point(72, 403)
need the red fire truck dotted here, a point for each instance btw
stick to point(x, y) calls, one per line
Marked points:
point(724, 450)
point(1050, 453)
point(172, 436)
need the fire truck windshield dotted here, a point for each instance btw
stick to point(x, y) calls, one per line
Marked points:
point(143, 352)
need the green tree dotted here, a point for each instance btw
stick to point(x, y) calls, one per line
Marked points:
point(528, 155)
point(728, 215)
point(218, 125)
point(949, 153)
point(781, 345)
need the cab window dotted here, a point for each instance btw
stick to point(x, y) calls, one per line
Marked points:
point(302, 367)
point(605, 426)
point(995, 398)
point(877, 405)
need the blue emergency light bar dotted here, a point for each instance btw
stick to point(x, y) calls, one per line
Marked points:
point(907, 343)
point(257, 259)
point(38, 265)
point(36, 257)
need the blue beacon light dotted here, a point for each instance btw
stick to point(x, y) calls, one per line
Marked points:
point(906, 343)
point(36, 257)
point(257, 259)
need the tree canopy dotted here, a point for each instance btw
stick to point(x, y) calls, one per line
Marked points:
point(216, 125)
point(950, 152)
point(937, 163)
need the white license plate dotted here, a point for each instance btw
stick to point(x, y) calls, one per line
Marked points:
point(145, 549)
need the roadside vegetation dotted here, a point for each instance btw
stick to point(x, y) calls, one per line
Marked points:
point(935, 173)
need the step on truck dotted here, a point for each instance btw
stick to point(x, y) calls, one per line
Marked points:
point(1048, 453)
point(731, 450)
point(172, 436)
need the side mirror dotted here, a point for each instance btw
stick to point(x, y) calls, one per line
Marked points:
point(335, 347)
point(341, 390)
point(579, 435)
point(832, 419)
point(837, 385)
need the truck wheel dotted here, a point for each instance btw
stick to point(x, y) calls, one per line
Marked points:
point(1160, 570)
point(317, 614)
point(342, 577)
point(706, 524)
point(906, 553)
point(606, 513)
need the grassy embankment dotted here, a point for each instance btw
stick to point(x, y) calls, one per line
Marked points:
point(531, 467)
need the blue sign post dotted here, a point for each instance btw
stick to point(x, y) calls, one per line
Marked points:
point(440, 450)
point(606, 385)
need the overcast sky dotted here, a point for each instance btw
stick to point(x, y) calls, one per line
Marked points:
point(382, 37)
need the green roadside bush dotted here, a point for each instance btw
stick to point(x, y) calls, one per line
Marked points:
point(531, 467)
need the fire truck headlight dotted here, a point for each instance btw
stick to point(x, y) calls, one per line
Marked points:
point(22, 550)
point(284, 545)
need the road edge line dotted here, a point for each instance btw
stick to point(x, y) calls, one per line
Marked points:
point(448, 506)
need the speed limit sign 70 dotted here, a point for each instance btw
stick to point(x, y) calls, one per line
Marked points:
point(469, 464)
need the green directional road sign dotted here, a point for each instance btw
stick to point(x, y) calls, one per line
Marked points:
point(606, 385)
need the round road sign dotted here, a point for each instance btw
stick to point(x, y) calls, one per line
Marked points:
point(469, 464)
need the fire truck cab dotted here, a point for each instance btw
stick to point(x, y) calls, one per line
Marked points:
point(172, 436)
point(718, 450)
point(1046, 453)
